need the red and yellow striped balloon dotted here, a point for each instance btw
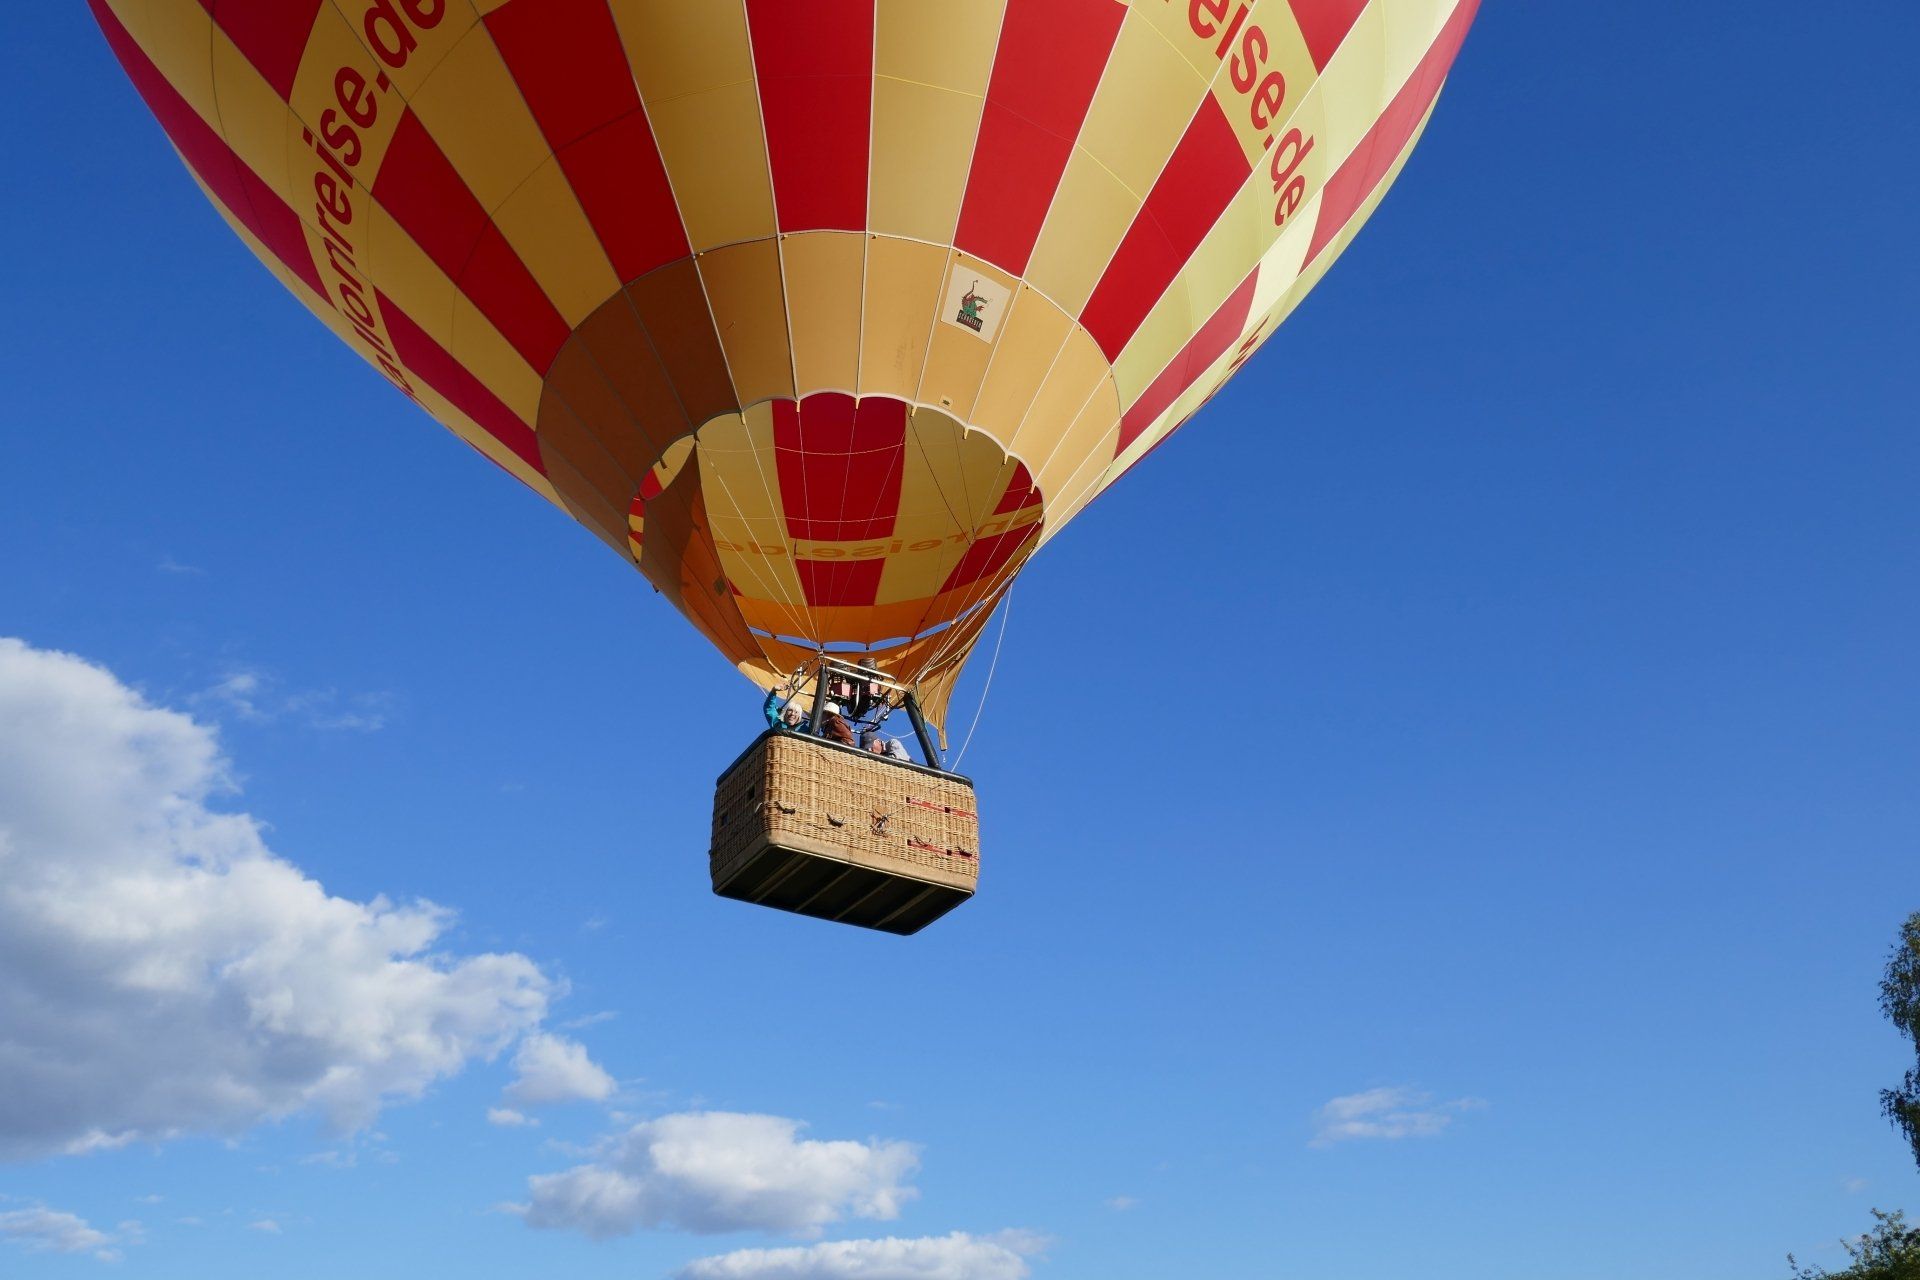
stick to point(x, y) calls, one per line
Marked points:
point(826, 313)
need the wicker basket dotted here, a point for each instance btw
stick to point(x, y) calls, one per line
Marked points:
point(810, 826)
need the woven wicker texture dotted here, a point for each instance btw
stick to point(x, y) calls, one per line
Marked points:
point(879, 814)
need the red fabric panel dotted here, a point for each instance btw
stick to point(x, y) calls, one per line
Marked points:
point(258, 207)
point(567, 59)
point(1364, 170)
point(839, 465)
point(1045, 71)
point(1206, 170)
point(814, 63)
point(1021, 492)
point(1325, 24)
point(430, 362)
point(988, 555)
point(617, 173)
point(419, 186)
point(840, 582)
point(1221, 331)
point(271, 34)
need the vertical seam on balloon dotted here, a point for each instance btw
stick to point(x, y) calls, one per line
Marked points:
point(979, 125)
point(773, 196)
point(779, 594)
point(976, 593)
point(1008, 449)
point(1053, 201)
point(553, 155)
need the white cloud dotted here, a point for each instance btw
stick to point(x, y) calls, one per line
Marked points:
point(549, 1068)
point(952, 1257)
point(1388, 1114)
point(508, 1118)
point(260, 698)
point(44, 1230)
point(266, 1226)
point(162, 972)
point(1122, 1204)
point(714, 1171)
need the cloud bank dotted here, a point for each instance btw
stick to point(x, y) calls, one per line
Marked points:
point(1387, 1114)
point(549, 1069)
point(43, 1230)
point(162, 972)
point(717, 1171)
point(952, 1257)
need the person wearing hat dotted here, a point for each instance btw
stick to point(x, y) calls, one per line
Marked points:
point(834, 727)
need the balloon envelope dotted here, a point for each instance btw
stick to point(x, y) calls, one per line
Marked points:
point(825, 314)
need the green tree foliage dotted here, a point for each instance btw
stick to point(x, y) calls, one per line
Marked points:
point(1891, 1251)
point(1900, 1001)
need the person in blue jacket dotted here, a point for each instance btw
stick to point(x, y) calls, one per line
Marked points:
point(780, 711)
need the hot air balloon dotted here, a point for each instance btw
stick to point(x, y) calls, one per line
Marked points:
point(826, 315)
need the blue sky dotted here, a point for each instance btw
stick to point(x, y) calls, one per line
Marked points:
point(1548, 797)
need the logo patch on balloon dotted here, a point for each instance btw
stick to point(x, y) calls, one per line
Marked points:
point(975, 302)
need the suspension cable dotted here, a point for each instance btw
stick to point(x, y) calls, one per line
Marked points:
point(1006, 611)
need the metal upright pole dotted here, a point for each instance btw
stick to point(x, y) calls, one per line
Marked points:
point(819, 698)
point(927, 749)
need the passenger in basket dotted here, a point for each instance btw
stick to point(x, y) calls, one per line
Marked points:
point(896, 751)
point(871, 741)
point(780, 712)
point(832, 726)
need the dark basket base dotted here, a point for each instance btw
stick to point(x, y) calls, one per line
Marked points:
point(814, 883)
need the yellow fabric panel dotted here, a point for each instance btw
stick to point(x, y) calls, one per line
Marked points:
point(928, 512)
point(478, 346)
point(744, 521)
point(950, 46)
point(922, 149)
point(957, 359)
point(902, 292)
point(544, 223)
point(1415, 25)
point(178, 36)
point(825, 273)
point(473, 109)
point(1079, 369)
point(332, 47)
point(677, 49)
point(694, 68)
point(932, 63)
point(750, 312)
point(1081, 488)
point(1148, 94)
point(431, 45)
point(1357, 84)
point(255, 123)
point(404, 273)
point(735, 456)
point(716, 159)
point(1030, 341)
point(1091, 213)
point(1287, 57)
point(1090, 432)
point(1170, 19)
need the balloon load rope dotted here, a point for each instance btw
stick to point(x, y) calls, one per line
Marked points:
point(1006, 612)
